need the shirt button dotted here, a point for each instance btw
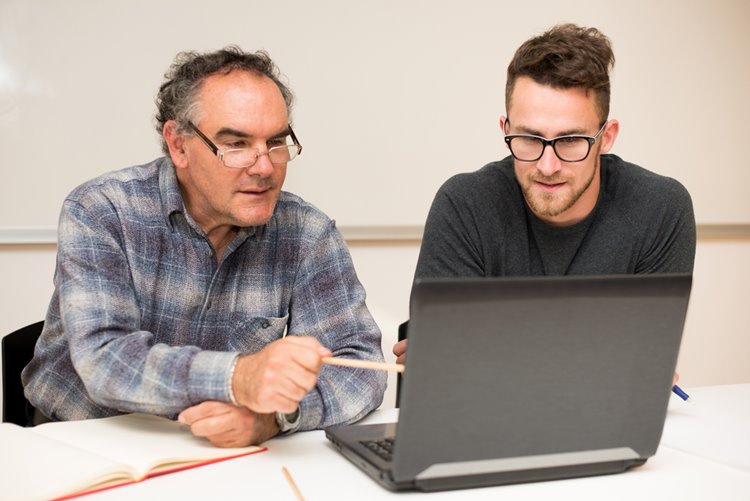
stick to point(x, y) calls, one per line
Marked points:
point(265, 324)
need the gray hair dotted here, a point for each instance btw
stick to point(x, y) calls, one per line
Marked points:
point(178, 95)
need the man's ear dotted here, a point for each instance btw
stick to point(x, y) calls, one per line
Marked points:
point(609, 135)
point(504, 124)
point(175, 143)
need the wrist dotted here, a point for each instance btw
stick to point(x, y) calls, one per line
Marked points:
point(239, 381)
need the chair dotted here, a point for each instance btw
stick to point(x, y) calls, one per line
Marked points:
point(17, 351)
point(402, 330)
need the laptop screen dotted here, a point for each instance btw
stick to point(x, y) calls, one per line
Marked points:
point(504, 368)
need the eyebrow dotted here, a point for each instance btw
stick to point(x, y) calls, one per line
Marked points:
point(571, 132)
point(230, 132)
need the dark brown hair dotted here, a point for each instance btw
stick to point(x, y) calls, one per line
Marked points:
point(564, 57)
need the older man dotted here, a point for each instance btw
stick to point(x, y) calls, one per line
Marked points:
point(194, 286)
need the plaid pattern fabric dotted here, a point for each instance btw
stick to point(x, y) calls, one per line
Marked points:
point(144, 319)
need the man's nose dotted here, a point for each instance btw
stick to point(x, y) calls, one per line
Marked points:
point(262, 166)
point(549, 163)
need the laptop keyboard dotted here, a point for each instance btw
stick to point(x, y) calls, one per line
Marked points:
point(382, 447)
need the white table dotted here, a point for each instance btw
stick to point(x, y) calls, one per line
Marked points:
point(705, 454)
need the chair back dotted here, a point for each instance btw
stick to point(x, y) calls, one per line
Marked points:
point(17, 352)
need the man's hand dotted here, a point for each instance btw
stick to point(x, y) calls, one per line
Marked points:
point(278, 377)
point(399, 349)
point(226, 425)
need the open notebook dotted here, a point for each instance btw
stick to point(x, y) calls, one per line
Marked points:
point(526, 379)
point(70, 458)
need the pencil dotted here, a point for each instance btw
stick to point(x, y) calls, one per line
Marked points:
point(292, 484)
point(363, 364)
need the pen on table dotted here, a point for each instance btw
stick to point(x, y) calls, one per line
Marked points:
point(678, 391)
point(363, 364)
point(292, 483)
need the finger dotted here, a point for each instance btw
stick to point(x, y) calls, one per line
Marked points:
point(279, 376)
point(288, 385)
point(228, 420)
point(297, 364)
point(257, 430)
point(213, 426)
point(231, 439)
point(202, 410)
point(290, 354)
point(310, 343)
point(235, 431)
point(400, 348)
point(287, 406)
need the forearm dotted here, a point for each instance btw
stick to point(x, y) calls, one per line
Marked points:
point(131, 375)
point(115, 351)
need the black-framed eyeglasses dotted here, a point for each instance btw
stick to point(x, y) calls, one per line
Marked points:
point(530, 148)
point(242, 158)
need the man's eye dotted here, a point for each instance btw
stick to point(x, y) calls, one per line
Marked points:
point(277, 142)
point(236, 144)
point(527, 140)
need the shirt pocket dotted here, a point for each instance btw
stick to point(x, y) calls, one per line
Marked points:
point(250, 335)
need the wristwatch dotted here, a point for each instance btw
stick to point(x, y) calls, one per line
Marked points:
point(288, 423)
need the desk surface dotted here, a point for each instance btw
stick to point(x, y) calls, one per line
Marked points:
point(704, 454)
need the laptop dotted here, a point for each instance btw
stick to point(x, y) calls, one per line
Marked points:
point(526, 379)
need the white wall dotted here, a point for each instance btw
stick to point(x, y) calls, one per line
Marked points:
point(716, 342)
point(393, 94)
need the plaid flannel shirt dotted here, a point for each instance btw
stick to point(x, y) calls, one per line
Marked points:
point(144, 319)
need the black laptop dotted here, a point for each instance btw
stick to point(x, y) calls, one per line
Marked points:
point(526, 379)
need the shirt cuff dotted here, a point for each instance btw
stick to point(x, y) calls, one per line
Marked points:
point(230, 389)
point(210, 376)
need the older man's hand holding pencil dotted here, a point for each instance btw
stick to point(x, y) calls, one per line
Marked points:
point(275, 379)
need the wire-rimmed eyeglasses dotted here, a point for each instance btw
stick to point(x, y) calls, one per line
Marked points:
point(530, 148)
point(280, 151)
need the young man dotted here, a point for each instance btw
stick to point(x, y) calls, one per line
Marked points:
point(559, 205)
point(192, 286)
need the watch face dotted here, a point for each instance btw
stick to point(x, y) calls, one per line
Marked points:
point(281, 421)
point(293, 417)
point(286, 422)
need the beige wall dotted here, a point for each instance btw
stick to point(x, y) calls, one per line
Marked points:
point(716, 343)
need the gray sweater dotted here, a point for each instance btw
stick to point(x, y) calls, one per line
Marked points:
point(479, 225)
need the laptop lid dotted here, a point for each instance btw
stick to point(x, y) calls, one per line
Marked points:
point(528, 378)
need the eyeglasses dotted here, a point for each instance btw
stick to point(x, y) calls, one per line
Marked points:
point(242, 158)
point(529, 148)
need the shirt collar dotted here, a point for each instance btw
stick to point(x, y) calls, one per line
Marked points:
point(169, 189)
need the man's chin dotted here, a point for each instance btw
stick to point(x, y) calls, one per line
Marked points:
point(547, 206)
point(250, 218)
